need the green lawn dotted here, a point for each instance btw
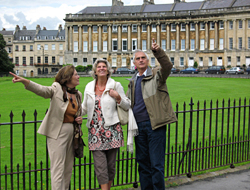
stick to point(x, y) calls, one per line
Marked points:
point(14, 98)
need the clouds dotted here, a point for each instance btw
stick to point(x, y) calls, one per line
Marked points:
point(48, 13)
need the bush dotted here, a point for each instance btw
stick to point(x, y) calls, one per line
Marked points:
point(195, 64)
point(80, 68)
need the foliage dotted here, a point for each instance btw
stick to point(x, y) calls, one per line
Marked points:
point(229, 66)
point(80, 68)
point(89, 67)
point(5, 63)
point(195, 64)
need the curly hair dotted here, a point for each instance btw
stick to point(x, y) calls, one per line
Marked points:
point(109, 69)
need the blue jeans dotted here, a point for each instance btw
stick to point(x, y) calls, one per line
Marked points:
point(150, 155)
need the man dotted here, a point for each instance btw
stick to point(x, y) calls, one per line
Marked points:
point(152, 109)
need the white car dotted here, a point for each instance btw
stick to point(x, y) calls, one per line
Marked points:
point(235, 70)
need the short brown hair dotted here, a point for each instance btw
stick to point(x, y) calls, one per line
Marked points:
point(65, 74)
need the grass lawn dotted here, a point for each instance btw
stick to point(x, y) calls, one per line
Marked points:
point(181, 89)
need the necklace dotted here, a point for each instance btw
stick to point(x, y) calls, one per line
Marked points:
point(99, 88)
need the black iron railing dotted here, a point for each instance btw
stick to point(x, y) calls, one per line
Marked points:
point(204, 138)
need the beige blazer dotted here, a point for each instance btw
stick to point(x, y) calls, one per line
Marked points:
point(53, 120)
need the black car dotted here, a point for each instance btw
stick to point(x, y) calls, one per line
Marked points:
point(124, 70)
point(174, 70)
point(215, 70)
point(248, 70)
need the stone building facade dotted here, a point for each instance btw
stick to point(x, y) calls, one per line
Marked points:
point(210, 32)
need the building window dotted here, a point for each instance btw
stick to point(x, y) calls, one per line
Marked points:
point(53, 47)
point(163, 44)
point(114, 62)
point(228, 60)
point(17, 60)
point(124, 45)
point(172, 45)
point(53, 59)
point(202, 44)
point(104, 29)
point(124, 28)
point(9, 49)
point(95, 29)
point(192, 26)
point(240, 42)
point(9, 40)
point(31, 61)
point(46, 47)
point(183, 27)
point(231, 24)
point(182, 61)
point(210, 61)
point(95, 46)
point(24, 47)
point(75, 61)
point(75, 29)
point(134, 27)
point(172, 60)
point(16, 48)
point(85, 61)
point(240, 24)
point(221, 46)
point(24, 60)
point(134, 44)
point(46, 59)
point(152, 62)
point(182, 44)
point(153, 28)
point(144, 45)
point(221, 24)
point(201, 61)
point(94, 59)
point(248, 23)
point(211, 25)
point(75, 46)
point(60, 46)
point(85, 29)
point(248, 42)
point(211, 44)
point(124, 62)
point(38, 59)
point(105, 46)
point(238, 60)
point(173, 27)
point(192, 45)
point(85, 46)
point(202, 26)
point(31, 47)
point(61, 60)
point(230, 43)
point(114, 44)
point(144, 28)
point(114, 28)
point(163, 27)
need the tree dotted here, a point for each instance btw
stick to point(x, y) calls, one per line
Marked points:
point(195, 64)
point(5, 64)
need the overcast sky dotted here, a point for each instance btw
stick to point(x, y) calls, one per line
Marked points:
point(50, 13)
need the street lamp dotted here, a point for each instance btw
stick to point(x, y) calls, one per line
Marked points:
point(43, 59)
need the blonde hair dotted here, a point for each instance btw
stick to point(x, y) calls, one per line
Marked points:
point(109, 69)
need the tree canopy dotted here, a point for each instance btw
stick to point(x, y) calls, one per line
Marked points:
point(5, 64)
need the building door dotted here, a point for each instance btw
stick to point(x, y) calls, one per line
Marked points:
point(248, 61)
point(190, 61)
point(219, 61)
point(31, 73)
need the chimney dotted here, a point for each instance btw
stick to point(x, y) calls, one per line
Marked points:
point(24, 28)
point(117, 3)
point(17, 28)
point(44, 28)
point(60, 28)
point(148, 2)
point(177, 1)
point(4, 29)
point(37, 29)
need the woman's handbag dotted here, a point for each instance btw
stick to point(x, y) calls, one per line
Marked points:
point(122, 114)
point(78, 142)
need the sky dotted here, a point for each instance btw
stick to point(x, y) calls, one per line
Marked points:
point(50, 13)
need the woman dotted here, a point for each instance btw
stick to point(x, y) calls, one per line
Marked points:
point(101, 96)
point(57, 125)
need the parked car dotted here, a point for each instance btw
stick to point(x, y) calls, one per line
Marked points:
point(124, 70)
point(190, 70)
point(235, 70)
point(174, 70)
point(215, 70)
point(248, 70)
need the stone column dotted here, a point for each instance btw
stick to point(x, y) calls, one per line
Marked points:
point(119, 38)
point(139, 36)
point(99, 37)
point(66, 38)
point(177, 36)
point(225, 41)
point(196, 35)
point(206, 35)
point(244, 34)
point(158, 33)
point(109, 37)
point(148, 37)
point(129, 38)
point(187, 35)
point(168, 35)
point(90, 37)
point(216, 35)
point(80, 38)
point(235, 34)
point(70, 38)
